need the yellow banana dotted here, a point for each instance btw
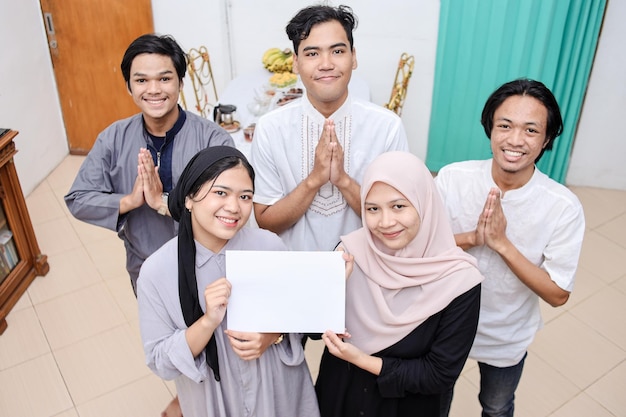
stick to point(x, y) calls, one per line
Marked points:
point(269, 52)
point(275, 57)
point(277, 60)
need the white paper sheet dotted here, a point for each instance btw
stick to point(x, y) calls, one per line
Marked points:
point(286, 292)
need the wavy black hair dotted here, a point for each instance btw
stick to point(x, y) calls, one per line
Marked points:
point(299, 27)
point(525, 87)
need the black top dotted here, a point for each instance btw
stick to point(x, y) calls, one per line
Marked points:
point(415, 372)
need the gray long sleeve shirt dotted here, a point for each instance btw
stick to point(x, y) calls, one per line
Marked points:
point(109, 173)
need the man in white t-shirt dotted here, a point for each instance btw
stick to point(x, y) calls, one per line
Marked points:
point(309, 156)
point(525, 230)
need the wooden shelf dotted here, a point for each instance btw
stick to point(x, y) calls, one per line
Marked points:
point(30, 262)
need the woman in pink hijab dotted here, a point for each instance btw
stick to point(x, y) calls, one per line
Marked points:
point(412, 301)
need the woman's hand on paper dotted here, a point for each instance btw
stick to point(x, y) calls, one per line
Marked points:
point(248, 345)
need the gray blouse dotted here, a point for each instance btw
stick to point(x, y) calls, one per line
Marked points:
point(276, 384)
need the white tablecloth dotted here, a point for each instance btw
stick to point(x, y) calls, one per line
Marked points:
point(241, 92)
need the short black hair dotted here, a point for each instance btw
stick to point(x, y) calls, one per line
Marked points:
point(299, 27)
point(525, 87)
point(154, 44)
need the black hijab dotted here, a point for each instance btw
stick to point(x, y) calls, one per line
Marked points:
point(187, 283)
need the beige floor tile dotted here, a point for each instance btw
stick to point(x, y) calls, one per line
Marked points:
point(33, 389)
point(78, 315)
point(88, 233)
point(23, 302)
point(134, 325)
point(605, 312)
point(42, 187)
point(23, 340)
point(542, 389)
point(68, 413)
point(100, 364)
point(609, 391)
point(565, 340)
point(587, 284)
point(465, 400)
point(63, 175)
point(58, 195)
point(109, 256)
point(313, 353)
point(582, 406)
point(69, 271)
point(620, 284)
point(615, 230)
point(600, 205)
point(43, 206)
point(603, 257)
point(122, 291)
point(549, 313)
point(469, 365)
point(56, 236)
point(171, 386)
point(145, 397)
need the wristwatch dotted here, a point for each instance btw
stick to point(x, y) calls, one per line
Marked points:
point(164, 199)
point(280, 339)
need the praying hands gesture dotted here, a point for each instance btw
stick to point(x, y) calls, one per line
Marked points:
point(148, 186)
point(151, 182)
point(329, 158)
point(328, 166)
point(491, 228)
point(491, 232)
point(329, 154)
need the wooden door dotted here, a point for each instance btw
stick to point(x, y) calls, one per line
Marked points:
point(87, 40)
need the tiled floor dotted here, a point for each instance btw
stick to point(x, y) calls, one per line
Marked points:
point(72, 347)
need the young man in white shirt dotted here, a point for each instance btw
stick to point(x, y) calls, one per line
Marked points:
point(310, 155)
point(525, 230)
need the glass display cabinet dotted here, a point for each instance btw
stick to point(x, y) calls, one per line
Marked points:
point(20, 258)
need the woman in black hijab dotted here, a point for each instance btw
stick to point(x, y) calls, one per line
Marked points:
point(183, 296)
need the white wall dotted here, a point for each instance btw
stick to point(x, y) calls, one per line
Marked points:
point(29, 102)
point(28, 97)
point(599, 154)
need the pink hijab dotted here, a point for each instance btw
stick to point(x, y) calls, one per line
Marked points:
point(390, 293)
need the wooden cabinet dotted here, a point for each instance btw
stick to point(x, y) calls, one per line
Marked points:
point(20, 258)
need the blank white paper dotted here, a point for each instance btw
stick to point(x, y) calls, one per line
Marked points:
point(286, 291)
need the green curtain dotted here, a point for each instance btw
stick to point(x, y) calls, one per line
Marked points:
point(485, 43)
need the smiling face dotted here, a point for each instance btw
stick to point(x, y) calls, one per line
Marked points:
point(517, 138)
point(221, 207)
point(325, 63)
point(390, 217)
point(155, 87)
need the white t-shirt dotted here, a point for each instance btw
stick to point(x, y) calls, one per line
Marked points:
point(545, 221)
point(283, 153)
